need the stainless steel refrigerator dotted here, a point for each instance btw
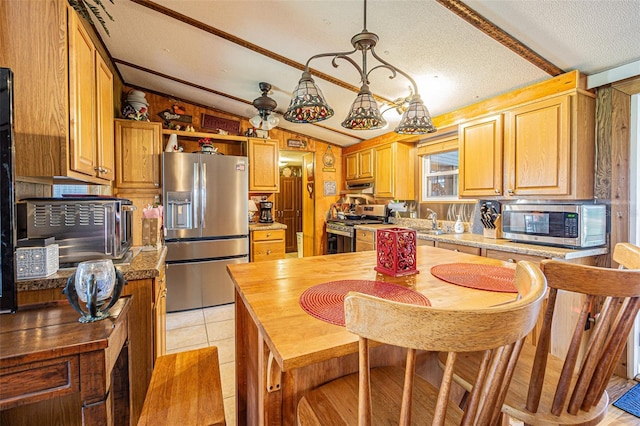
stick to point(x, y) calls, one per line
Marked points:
point(206, 201)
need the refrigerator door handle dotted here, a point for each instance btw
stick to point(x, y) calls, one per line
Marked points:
point(203, 189)
point(196, 195)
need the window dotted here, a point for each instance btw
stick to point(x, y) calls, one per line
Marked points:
point(439, 171)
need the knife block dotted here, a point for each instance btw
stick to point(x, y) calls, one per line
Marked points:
point(494, 232)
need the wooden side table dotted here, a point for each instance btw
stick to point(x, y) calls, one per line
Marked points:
point(53, 369)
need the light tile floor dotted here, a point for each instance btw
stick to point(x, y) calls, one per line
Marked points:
point(200, 328)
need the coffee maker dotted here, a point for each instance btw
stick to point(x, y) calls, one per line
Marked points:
point(265, 212)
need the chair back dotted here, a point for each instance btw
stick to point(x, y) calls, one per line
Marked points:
point(498, 331)
point(627, 255)
point(617, 293)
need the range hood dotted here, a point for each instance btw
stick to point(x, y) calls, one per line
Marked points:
point(359, 187)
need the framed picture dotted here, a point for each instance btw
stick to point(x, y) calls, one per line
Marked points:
point(330, 188)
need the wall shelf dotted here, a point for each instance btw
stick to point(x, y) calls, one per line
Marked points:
point(200, 135)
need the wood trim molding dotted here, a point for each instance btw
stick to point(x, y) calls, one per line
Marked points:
point(630, 86)
point(487, 27)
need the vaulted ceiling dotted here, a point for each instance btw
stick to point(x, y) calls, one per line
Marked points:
point(215, 52)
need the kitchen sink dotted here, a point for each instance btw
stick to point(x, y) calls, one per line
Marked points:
point(429, 231)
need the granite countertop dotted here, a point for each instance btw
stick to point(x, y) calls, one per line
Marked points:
point(475, 240)
point(266, 226)
point(144, 264)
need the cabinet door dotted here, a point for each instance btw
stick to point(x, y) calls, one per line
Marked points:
point(351, 166)
point(82, 144)
point(384, 171)
point(263, 165)
point(480, 153)
point(365, 162)
point(104, 120)
point(537, 149)
point(138, 150)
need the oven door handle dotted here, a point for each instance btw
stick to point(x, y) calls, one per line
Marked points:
point(338, 232)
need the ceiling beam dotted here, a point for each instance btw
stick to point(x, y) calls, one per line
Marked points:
point(496, 33)
point(248, 45)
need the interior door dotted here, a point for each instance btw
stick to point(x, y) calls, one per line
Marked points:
point(289, 209)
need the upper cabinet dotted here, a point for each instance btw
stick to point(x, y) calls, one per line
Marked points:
point(543, 148)
point(394, 171)
point(138, 150)
point(480, 157)
point(263, 165)
point(62, 100)
point(359, 166)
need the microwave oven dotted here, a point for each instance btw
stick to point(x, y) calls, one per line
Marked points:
point(565, 225)
point(85, 228)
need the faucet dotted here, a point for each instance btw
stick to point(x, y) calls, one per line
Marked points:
point(434, 219)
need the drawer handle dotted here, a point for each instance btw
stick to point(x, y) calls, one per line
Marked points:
point(456, 250)
point(511, 260)
point(268, 234)
point(268, 252)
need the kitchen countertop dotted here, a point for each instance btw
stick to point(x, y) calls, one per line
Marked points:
point(475, 240)
point(266, 226)
point(145, 264)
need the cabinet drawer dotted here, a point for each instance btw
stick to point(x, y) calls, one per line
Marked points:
point(365, 236)
point(270, 235)
point(429, 243)
point(364, 246)
point(512, 257)
point(459, 248)
point(269, 250)
point(38, 381)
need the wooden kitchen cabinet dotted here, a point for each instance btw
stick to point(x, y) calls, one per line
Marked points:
point(544, 148)
point(267, 245)
point(550, 147)
point(138, 154)
point(359, 166)
point(458, 247)
point(365, 240)
point(394, 171)
point(480, 157)
point(61, 97)
point(264, 174)
point(511, 257)
point(90, 105)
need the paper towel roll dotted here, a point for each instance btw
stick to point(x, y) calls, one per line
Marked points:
point(172, 145)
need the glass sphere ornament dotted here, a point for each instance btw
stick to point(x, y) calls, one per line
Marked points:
point(94, 283)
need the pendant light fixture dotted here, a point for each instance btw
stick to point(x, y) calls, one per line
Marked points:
point(264, 120)
point(309, 106)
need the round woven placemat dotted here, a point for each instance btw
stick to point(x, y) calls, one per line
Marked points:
point(326, 301)
point(478, 276)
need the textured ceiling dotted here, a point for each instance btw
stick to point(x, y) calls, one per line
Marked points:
point(454, 63)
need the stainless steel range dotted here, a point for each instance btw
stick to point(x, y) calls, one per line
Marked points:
point(341, 234)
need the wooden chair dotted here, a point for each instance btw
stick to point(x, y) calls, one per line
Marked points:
point(548, 390)
point(394, 394)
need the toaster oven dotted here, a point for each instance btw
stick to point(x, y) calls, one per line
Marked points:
point(85, 228)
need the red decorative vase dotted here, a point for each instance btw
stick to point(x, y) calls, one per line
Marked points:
point(396, 251)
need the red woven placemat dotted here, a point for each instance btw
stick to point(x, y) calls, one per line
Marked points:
point(478, 276)
point(326, 301)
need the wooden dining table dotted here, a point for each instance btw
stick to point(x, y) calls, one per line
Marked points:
point(282, 351)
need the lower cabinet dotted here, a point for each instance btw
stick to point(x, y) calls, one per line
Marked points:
point(459, 248)
point(267, 245)
point(365, 240)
